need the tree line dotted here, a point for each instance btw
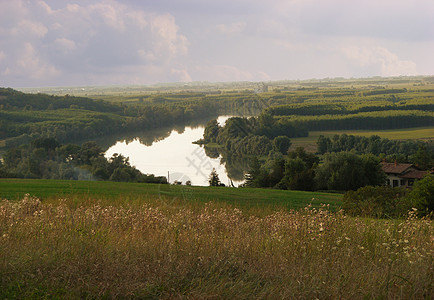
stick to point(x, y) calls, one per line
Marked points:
point(24, 117)
point(417, 152)
point(291, 113)
point(301, 170)
point(46, 158)
point(344, 108)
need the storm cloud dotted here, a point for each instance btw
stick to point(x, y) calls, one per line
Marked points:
point(70, 42)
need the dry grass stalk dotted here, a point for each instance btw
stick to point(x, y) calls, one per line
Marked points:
point(59, 250)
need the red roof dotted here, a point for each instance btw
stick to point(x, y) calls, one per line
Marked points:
point(395, 168)
point(415, 174)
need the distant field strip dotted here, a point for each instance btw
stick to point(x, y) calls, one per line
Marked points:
point(418, 133)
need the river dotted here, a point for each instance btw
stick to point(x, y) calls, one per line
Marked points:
point(174, 156)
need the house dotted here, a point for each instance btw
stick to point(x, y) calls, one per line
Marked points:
point(402, 174)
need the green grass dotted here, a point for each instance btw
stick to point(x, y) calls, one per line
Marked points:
point(416, 133)
point(257, 199)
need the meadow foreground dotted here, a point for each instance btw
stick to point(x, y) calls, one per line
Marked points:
point(64, 249)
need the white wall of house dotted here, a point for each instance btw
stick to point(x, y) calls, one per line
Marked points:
point(395, 181)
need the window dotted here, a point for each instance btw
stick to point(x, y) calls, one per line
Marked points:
point(402, 182)
point(395, 183)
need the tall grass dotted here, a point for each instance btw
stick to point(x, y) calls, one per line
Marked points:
point(147, 251)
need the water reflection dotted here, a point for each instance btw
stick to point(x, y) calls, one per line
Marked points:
point(145, 136)
point(171, 152)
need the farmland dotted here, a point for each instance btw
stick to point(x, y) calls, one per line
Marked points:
point(418, 133)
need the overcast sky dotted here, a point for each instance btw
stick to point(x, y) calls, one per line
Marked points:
point(106, 42)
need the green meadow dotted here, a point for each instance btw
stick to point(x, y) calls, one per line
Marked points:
point(116, 192)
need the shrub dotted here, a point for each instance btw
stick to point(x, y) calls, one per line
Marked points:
point(378, 202)
point(421, 196)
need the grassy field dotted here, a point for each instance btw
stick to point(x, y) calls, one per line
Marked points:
point(418, 133)
point(114, 192)
point(61, 250)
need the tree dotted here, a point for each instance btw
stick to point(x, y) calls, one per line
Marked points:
point(234, 127)
point(298, 176)
point(3, 172)
point(424, 158)
point(214, 178)
point(211, 131)
point(323, 144)
point(372, 169)
point(256, 176)
point(281, 144)
point(310, 159)
point(122, 175)
point(276, 173)
point(49, 144)
point(348, 171)
point(88, 151)
point(265, 123)
point(421, 196)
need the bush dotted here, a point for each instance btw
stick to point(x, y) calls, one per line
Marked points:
point(421, 196)
point(377, 202)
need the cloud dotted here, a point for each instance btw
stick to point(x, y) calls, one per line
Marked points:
point(74, 42)
point(64, 45)
point(181, 75)
point(225, 73)
point(30, 29)
point(91, 39)
point(110, 15)
point(26, 59)
point(166, 38)
point(231, 29)
point(387, 19)
point(380, 58)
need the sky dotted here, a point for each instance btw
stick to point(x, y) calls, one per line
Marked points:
point(140, 42)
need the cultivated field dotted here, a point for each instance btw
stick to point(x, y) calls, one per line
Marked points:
point(418, 133)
